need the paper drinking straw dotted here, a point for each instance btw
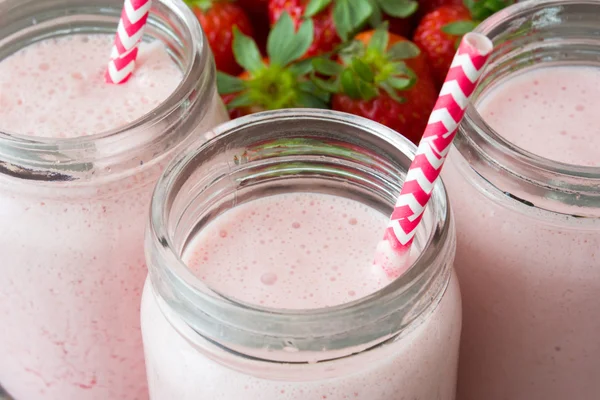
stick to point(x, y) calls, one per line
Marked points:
point(134, 18)
point(392, 253)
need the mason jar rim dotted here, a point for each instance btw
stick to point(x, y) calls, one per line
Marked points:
point(31, 20)
point(577, 185)
point(184, 291)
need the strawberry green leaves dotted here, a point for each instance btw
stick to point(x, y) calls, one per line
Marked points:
point(398, 8)
point(281, 81)
point(355, 86)
point(393, 8)
point(403, 51)
point(242, 100)
point(228, 84)
point(459, 28)
point(379, 41)
point(368, 69)
point(350, 15)
point(284, 44)
point(246, 52)
point(311, 96)
point(326, 67)
point(482, 9)
point(315, 6)
point(302, 67)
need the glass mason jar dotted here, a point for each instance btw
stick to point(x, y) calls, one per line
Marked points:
point(528, 228)
point(200, 343)
point(73, 211)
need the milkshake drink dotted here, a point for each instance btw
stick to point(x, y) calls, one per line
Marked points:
point(548, 111)
point(268, 290)
point(78, 161)
point(56, 89)
point(523, 180)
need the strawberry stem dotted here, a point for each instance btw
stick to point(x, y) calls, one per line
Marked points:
point(369, 69)
point(282, 80)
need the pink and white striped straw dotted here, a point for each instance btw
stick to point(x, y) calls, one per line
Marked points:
point(134, 18)
point(393, 252)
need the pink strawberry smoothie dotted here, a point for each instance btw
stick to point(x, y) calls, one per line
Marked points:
point(299, 251)
point(530, 278)
point(72, 257)
point(55, 88)
point(550, 112)
point(283, 253)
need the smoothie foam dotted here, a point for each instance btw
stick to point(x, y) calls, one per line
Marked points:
point(299, 251)
point(551, 112)
point(529, 277)
point(284, 252)
point(55, 88)
point(72, 257)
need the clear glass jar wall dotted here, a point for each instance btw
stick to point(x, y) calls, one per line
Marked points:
point(528, 228)
point(73, 211)
point(200, 342)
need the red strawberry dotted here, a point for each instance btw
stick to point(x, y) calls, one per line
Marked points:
point(427, 6)
point(217, 19)
point(254, 6)
point(440, 31)
point(334, 20)
point(438, 45)
point(278, 81)
point(383, 77)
